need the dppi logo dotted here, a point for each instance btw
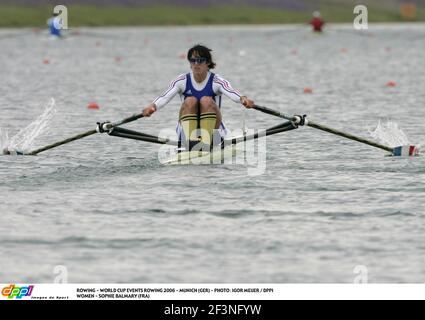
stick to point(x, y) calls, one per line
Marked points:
point(16, 292)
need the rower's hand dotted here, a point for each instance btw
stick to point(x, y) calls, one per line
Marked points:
point(149, 110)
point(248, 103)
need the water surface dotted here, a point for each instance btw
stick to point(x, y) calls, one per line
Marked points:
point(106, 209)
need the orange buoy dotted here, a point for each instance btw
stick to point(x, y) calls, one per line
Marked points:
point(93, 106)
point(46, 61)
point(391, 84)
point(308, 90)
point(343, 50)
point(118, 59)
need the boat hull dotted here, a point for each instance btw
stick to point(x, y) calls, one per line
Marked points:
point(220, 156)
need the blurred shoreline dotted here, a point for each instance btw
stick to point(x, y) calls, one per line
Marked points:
point(162, 15)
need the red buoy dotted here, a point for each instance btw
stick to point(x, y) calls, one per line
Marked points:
point(93, 106)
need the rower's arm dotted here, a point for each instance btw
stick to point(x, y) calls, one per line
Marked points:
point(222, 86)
point(176, 86)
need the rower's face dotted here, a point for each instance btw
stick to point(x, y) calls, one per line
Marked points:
point(198, 65)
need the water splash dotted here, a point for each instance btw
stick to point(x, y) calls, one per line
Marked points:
point(390, 134)
point(4, 139)
point(24, 139)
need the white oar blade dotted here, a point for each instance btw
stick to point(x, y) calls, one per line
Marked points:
point(406, 151)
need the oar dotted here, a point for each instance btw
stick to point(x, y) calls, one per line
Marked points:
point(397, 151)
point(283, 127)
point(130, 134)
point(105, 127)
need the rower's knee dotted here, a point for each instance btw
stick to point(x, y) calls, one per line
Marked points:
point(208, 105)
point(190, 105)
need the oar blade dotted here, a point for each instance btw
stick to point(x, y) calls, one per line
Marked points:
point(12, 152)
point(406, 151)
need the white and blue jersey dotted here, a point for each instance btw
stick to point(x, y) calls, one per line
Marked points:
point(206, 91)
point(53, 25)
point(185, 85)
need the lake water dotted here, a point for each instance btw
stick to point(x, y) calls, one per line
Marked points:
point(108, 211)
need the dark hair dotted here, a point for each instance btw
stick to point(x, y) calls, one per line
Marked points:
point(203, 52)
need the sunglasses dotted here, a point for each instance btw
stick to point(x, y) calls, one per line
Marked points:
point(199, 60)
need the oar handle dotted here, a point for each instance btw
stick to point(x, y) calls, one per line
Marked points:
point(127, 120)
point(274, 113)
